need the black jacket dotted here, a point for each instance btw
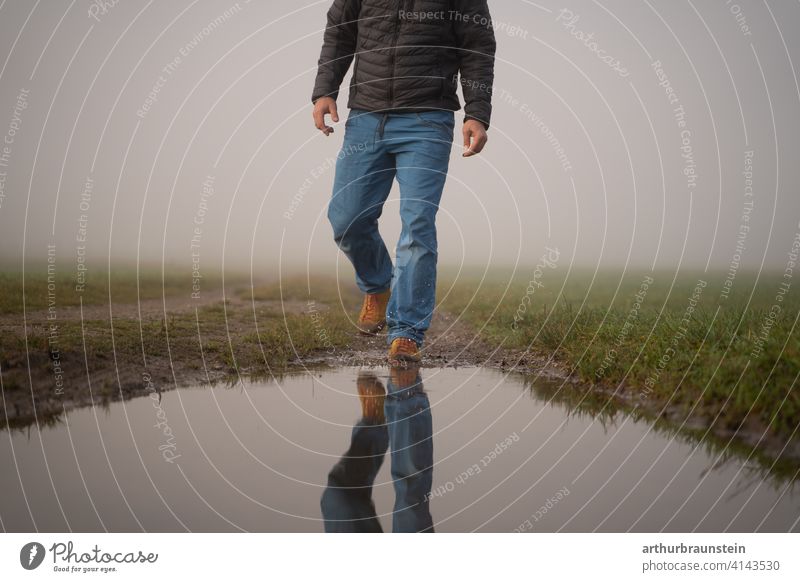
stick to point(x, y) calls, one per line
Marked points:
point(408, 55)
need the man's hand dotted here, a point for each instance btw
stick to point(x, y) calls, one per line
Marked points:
point(474, 137)
point(322, 107)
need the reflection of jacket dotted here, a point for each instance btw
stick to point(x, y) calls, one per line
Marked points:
point(408, 54)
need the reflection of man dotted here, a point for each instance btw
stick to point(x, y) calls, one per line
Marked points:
point(402, 419)
point(408, 58)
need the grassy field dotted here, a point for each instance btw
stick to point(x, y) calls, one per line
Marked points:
point(125, 285)
point(728, 357)
point(236, 336)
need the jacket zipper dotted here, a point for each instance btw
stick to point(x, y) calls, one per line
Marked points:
point(393, 54)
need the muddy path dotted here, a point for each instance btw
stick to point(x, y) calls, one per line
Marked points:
point(450, 343)
point(146, 309)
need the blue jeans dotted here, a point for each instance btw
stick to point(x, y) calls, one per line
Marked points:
point(379, 147)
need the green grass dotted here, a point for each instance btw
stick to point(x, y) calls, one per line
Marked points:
point(323, 290)
point(126, 285)
point(705, 363)
point(235, 339)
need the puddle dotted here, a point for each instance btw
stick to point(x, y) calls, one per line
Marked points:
point(465, 450)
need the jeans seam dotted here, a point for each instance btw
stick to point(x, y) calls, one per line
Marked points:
point(444, 128)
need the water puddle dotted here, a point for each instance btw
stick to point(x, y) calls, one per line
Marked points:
point(350, 450)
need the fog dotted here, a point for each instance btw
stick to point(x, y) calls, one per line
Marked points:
point(655, 134)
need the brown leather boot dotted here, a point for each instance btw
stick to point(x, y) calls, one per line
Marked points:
point(372, 395)
point(373, 313)
point(404, 349)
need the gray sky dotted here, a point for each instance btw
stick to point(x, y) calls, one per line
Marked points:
point(228, 140)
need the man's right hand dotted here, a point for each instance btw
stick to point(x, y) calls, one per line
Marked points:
point(322, 107)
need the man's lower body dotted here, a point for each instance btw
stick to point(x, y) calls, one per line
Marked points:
point(413, 148)
point(400, 419)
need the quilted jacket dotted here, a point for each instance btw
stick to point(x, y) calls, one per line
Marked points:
point(410, 55)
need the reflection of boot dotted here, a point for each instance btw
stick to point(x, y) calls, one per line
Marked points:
point(372, 395)
point(403, 377)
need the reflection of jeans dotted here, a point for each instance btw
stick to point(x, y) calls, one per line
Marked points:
point(414, 148)
point(347, 504)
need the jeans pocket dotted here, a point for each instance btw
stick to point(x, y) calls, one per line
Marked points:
point(444, 121)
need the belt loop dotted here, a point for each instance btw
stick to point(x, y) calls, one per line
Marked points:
point(382, 124)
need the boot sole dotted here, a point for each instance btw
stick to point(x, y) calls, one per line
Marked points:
point(405, 358)
point(372, 331)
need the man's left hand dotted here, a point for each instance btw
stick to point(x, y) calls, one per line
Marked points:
point(475, 137)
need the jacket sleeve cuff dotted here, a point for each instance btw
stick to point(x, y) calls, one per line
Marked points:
point(320, 94)
point(483, 120)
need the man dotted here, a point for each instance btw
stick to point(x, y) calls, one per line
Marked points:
point(408, 57)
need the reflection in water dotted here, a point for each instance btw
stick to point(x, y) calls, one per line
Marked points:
point(261, 456)
point(400, 419)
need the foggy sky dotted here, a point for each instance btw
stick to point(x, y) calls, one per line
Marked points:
point(166, 130)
